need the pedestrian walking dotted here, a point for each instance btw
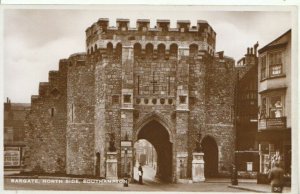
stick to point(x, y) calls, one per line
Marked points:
point(276, 178)
point(140, 172)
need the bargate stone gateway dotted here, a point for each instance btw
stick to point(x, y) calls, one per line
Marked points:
point(165, 85)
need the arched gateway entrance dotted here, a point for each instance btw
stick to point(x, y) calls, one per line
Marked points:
point(159, 137)
point(210, 150)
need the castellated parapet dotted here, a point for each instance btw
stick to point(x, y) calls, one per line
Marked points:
point(162, 84)
point(100, 34)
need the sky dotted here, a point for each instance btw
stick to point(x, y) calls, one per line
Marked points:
point(35, 39)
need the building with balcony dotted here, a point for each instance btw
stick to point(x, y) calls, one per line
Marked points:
point(274, 103)
point(14, 133)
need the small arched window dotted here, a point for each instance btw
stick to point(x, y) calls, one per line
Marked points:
point(161, 48)
point(109, 48)
point(118, 51)
point(193, 50)
point(137, 49)
point(149, 50)
point(173, 50)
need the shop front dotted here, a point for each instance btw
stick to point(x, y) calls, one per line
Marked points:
point(274, 146)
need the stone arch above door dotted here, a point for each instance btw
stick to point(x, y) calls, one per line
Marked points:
point(166, 123)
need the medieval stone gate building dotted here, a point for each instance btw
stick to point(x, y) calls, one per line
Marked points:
point(162, 84)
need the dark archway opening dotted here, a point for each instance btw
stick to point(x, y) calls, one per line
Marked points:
point(159, 137)
point(210, 150)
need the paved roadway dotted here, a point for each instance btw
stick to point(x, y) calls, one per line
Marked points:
point(149, 185)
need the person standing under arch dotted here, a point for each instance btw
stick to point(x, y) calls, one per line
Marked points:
point(140, 173)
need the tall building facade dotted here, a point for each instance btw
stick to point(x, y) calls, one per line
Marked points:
point(247, 158)
point(14, 134)
point(274, 101)
point(165, 85)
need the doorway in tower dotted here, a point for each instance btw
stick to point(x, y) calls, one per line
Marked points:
point(210, 150)
point(145, 158)
point(153, 151)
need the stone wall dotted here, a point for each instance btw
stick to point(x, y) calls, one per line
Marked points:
point(80, 128)
point(197, 84)
point(46, 124)
point(121, 84)
point(219, 102)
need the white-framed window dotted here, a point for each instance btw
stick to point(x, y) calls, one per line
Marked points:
point(275, 63)
point(275, 106)
point(272, 105)
point(271, 64)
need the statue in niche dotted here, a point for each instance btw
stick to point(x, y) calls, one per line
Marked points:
point(112, 147)
point(198, 144)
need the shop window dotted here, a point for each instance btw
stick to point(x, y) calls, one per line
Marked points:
point(127, 98)
point(12, 157)
point(276, 108)
point(263, 67)
point(272, 106)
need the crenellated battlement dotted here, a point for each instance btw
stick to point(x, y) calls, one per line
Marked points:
point(129, 82)
point(100, 34)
